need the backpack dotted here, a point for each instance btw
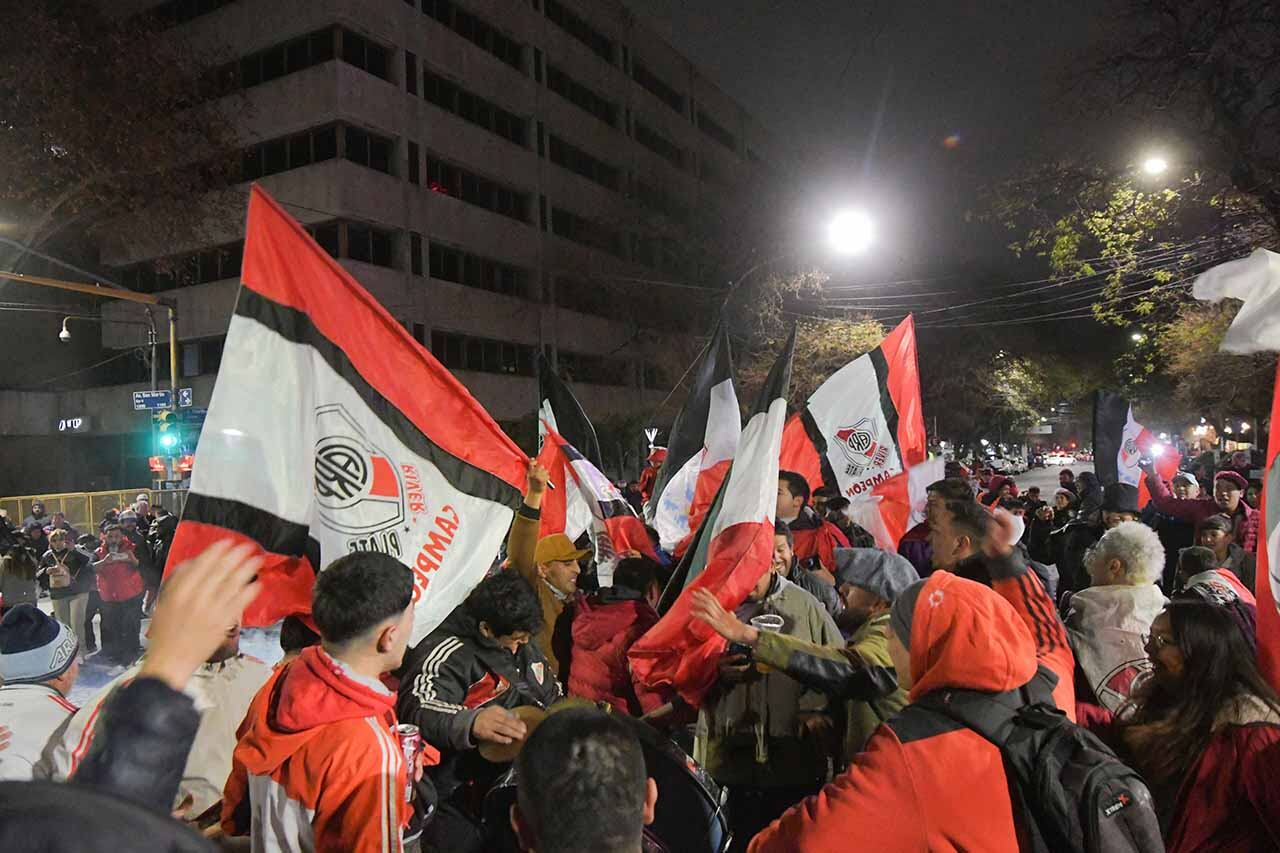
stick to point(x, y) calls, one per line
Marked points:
point(1068, 788)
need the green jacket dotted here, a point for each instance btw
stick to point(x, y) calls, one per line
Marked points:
point(748, 733)
point(861, 672)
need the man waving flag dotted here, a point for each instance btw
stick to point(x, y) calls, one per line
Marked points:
point(703, 440)
point(1120, 443)
point(860, 433)
point(733, 549)
point(331, 430)
point(1255, 280)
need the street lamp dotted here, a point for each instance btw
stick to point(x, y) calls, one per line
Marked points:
point(1137, 337)
point(1155, 165)
point(851, 232)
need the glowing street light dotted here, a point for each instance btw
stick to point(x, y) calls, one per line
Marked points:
point(1155, 165)
point(851, 232)
point(1244, 426)
point(1137, 337)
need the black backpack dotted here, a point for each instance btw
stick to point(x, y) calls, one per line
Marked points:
point(1069, 789)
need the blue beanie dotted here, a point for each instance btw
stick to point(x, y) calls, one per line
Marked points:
point(34, 647)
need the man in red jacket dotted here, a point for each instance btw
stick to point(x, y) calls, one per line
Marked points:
point(816, 539)
point(919, 785)
point(120, 586)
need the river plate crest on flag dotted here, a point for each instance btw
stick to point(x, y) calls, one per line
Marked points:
point(861, 447)
point(357, 485)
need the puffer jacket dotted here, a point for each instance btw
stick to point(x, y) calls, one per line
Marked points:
point(454, 673)
point(923, 784)
point(816, 540)
point(604, 628)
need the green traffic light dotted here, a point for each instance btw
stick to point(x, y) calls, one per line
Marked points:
point(168, 440)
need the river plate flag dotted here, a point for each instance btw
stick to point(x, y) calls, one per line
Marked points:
point(861, 432)
point(703, 441)
point(615, 527)
point(331, 431)
point(733, 549)
point(563, 509)
point(1120, 443)
point(1255, 280)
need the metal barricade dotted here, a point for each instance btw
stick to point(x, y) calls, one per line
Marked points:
point(85, 510)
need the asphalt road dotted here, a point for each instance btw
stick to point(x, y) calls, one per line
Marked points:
point(1047, 478)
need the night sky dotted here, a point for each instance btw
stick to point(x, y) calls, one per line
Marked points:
point(866, 95)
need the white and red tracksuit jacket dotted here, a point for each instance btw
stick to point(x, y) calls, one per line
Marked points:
point(36, 715)
point(318, 766)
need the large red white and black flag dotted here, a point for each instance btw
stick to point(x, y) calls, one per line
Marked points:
point(615, 527)
point(563, 509)
point(732, 550)
point(703, 441)
point(1255, 280)
point(332, 431)
point(1120, 444)
point(862, 431)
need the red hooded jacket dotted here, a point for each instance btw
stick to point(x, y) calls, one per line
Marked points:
point(923, 783)
point(317, 766)
point(604, 627)
point(816, 538)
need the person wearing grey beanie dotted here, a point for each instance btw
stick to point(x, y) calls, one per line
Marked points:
point(39, 662)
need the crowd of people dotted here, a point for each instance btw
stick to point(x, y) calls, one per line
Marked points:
point(842, 710)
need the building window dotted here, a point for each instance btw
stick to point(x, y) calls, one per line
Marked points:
point(213, 264)
point(598, 369)
point(476, 31)
point(581, 96)
point(600, 44)
point(463, 352)
point(370, 245)
point(410, 72)
point(415, 163)
point(420, 333)
point(659, 144)
point(327, 236)
point(656, 87)
point(367, 149)
point(471, 270)
point(365, 54)
point(717, 131)
point(580, 162)
point(473, 108)
point(287, 58)
point(583, 231)
point(291, 152)
point(474, 189)
point(415, 253)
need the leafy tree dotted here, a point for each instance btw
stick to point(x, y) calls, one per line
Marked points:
point(104, 116)
point(1209, 381)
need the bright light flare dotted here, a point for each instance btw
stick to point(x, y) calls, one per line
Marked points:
point(1244, 426)
point(851, 232)
point(1155, 165)
point(1157, 450)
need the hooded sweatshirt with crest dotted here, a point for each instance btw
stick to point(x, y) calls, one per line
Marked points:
point(318, 766)
point(925, 782)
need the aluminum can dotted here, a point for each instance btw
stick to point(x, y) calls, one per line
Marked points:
point(410, 738)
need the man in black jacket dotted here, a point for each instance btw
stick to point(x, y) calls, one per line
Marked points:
point(459, 686)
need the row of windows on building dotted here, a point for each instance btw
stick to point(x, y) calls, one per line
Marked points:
point(355, 49)
point(467, 352)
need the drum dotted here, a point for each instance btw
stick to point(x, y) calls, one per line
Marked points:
point(689, 815)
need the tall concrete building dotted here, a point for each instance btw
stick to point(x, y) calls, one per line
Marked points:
point(476, 165)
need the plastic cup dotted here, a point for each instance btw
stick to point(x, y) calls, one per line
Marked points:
point(770, 623)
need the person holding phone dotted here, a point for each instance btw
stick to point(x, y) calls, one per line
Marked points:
point(120, 585)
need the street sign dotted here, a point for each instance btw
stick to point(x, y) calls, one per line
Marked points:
point(185, 398)
point(1041, 429)
point(193, 416)
point(144, 400)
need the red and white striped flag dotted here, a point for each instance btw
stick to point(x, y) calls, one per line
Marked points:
point(1120, 443)
point(681, 651)
point(703, 440)
point(862, 431)
point(615, 527)
point(332, 431)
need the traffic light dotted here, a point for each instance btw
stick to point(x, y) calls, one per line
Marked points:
point(168, 430)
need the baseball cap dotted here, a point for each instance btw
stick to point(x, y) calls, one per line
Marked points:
point(557, 548)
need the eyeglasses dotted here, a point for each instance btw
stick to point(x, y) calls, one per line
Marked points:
point(1156, 641)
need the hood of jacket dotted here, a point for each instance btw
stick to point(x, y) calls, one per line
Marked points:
point(807, 520)
point(965, 635)
point(1114, 606)
point(601, 618)
point(305, 696)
